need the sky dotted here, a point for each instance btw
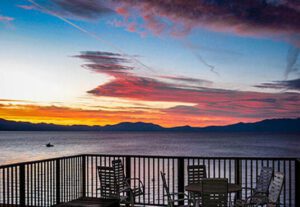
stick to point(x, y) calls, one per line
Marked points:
point(172, 63)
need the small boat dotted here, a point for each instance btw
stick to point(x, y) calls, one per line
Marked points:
point(49, 145)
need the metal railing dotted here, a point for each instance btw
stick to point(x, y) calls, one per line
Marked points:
point(52, 181)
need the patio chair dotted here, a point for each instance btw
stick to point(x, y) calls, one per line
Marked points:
point(273, 194)
point(171, 201)
point(134, 186)
point(262, 186)
point(195, 175)
point(108, 186)
point(214, 192)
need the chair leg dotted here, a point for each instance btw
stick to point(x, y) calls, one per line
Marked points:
point(131, 199)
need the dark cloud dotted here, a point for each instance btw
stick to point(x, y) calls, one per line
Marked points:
point(177, 17)
point(105, 61)
point(188, 80)
point(248, 17)
point(83, 8)
point(282, 85)
point(266, 100)
point(79, 9)
point(188, 110)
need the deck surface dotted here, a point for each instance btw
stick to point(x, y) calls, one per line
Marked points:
point(91, 202)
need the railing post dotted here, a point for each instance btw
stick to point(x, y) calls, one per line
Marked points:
point(57, 163)
point(297, 182)
point(83, 173)
point(238, 175)
point(128, 167)
point(180, 172)
point(22, 184)
point(128, 172)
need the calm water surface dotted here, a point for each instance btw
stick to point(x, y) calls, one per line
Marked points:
point(25, 146)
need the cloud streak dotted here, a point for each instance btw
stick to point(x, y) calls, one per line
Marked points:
point(111, 63)
point(6, 19)
point(292, 57)
point(74, 9)
point(282, 85)
point(188, 80)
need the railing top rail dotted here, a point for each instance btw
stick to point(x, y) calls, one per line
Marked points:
point(38, 161)
point(194, 157)
point(151, 156)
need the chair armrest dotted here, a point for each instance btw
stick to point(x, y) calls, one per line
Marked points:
point(248, 189)
point(183, 199)
point(243, 203)
point(140, 182)
point(179, 193)
point(254, 194)
point(125, 189)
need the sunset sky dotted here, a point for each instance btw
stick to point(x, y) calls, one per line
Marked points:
point(195, 62)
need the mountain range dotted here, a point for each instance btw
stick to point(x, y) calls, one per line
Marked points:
point(268, 125)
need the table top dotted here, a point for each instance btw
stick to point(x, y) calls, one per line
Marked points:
point(197, 187)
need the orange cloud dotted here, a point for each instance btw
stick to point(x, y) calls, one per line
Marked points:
point(71, 116)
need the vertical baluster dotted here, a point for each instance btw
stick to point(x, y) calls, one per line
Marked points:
point(238, 174)
point(180, 173)
point(22, 184)
point(297, 182)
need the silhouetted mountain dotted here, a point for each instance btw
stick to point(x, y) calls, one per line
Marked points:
point(269, 125)
point(128, 126)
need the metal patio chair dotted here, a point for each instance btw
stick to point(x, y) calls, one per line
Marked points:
point(262, 187)
point(214, 192)
point(272, 200)
point(108, 186)
point(171, 200)
point(195, 175)
point(133, 186)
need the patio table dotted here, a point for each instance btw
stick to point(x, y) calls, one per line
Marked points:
point(197, 188)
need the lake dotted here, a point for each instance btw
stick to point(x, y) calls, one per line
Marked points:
point(26, 146)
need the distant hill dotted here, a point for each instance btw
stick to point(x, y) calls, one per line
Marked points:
point(269, 125)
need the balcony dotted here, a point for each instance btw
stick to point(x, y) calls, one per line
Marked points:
point(58, 180)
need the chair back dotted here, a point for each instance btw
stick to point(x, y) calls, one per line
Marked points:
point(108, 185)
point(214, 192)
point(264, 180)
point(166, 187)
point(118, 168)
point(276, 187)
point(196, 173)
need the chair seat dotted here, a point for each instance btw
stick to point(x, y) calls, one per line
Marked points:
point(255, 200)
point(137, 191)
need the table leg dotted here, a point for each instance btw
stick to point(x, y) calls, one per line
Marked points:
point(195, 202)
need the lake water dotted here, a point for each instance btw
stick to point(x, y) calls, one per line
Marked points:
point(25, 146)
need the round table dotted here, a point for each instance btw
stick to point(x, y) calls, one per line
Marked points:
point(197, 188)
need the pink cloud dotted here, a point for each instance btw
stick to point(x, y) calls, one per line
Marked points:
point(206, 101)
point(6, 19)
